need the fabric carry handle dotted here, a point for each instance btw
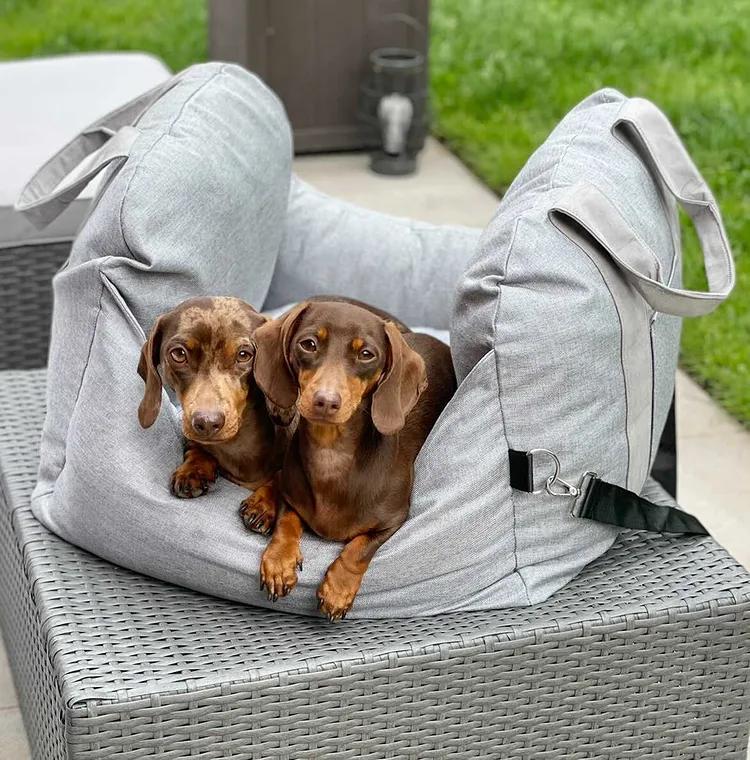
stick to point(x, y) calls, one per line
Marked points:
point(64, 176)
point(639, 120)
point(596, 499)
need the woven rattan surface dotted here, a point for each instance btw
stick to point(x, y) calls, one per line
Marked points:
point(26, 302)
point(646, 654)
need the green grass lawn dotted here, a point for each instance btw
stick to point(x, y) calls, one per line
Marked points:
point(175, 30)
point(503, 73)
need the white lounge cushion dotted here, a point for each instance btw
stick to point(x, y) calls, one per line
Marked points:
point(44, 103)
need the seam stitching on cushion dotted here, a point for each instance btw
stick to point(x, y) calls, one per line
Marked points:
point(156, 142)
point(124, 309)
point(118, 297)
point(83, 375)
point(495, 317)
point(558, 164)
point(651, 441)
point(622, 338)
point(636, 235)
point(662, 190)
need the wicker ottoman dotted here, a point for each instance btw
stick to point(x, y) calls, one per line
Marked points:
point(645, 655)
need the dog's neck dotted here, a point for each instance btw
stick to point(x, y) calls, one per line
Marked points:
point(346, 437)
point(244, 459)
point(329, 451)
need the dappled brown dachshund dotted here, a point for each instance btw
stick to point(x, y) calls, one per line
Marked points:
point(206, 353)
point(368, 394)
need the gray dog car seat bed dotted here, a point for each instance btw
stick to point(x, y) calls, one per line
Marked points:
point(564, 319)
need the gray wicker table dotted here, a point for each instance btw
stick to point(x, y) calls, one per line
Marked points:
point(645, 655)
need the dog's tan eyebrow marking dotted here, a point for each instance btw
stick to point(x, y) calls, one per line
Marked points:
point(322, 333)
point(357, 343)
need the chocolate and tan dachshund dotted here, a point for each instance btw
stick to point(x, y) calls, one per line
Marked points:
point(367, 392)
point(206, 353)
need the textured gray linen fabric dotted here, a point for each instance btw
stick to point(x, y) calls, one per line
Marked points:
point(407, 267)
point(574, 295)
point(554, 345)
point(196, 200)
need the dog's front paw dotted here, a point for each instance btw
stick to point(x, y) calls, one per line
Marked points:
point(191, 479)
point(337, 591)
point(278, 570)
point(258, 511)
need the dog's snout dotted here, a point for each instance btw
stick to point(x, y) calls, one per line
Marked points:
point(207, 423)
point(327, 401)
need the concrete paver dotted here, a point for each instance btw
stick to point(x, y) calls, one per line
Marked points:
point(13, 744)
point(7, 693)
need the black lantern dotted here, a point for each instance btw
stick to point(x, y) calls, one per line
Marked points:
point(393, 104)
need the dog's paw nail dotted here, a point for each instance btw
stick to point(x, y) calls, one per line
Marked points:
point(299, 565)
point(262, 584)
point(275, 597)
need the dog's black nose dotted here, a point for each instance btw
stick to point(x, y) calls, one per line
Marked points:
point(327, 402)
point(207, 423)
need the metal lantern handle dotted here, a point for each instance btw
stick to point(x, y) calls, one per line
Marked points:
point(405, 18)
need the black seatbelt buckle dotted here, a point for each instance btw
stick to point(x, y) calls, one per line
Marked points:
point(580, 502)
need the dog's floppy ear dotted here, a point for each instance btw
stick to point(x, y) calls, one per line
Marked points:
point(273, 374)
point(148, 369)
point(402, 382)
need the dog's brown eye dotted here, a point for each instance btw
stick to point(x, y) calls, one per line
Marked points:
point(309, 345)
point(243, 355)
point(178, 355)
point(365, 355)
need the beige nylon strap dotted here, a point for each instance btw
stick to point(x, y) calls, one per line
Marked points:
point(62, 178)
point(641, 121)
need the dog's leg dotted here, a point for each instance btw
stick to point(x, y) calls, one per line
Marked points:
point(282, 557)
point(258, 511)
point(344, 576)
point(197, 471)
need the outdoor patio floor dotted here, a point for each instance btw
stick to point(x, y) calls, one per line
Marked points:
point(713, 449)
